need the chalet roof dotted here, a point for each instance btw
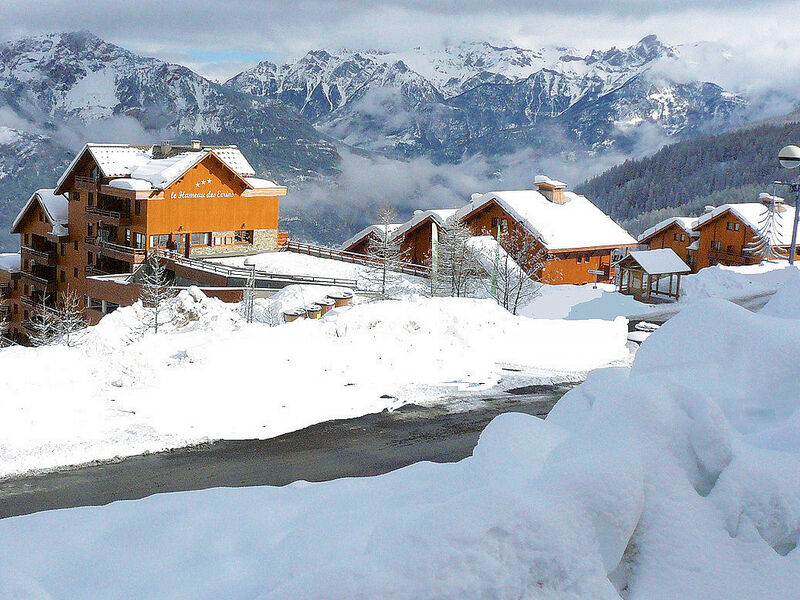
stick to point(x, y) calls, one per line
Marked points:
point(9, 262)
point(752, 214)
point(439, 216)
point(376, 229)
point(573, 225)
point(658, 262)
point(685, 223)
point(123, 161)
point(56, 208)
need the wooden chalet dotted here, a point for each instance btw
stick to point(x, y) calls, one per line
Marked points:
point(418, 235)
point(116, 202)
point(359, 243)
point(677, 233)
point(577, 238)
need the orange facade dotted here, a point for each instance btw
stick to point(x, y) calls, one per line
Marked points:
point(723, 240)
point(416, 244)
point(673, 236)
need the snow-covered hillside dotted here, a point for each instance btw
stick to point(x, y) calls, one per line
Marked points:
point(212, 376)
point(676, 478)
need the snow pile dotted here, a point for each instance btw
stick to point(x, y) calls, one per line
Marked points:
point(574, 302)
point(785, 301)
point(658, 481)
point(734, 282)
point(207, 375)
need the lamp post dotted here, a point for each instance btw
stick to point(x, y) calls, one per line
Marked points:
point(789, 157)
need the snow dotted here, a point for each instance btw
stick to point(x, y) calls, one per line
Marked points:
point(686, 223)
point(259, 184)
point(118, 161)
point(56, 207)
point(10, 261)
point(660, 261)
point(544, 179)
point(575, 224)
point(575, 302)
point(674, 478)
point(721, 281)
point(784, 302)
point(129, 183)
point(439, 216)
point(210, 376)
point(752, 214)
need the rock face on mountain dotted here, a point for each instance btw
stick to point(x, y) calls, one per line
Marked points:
point(480, 98)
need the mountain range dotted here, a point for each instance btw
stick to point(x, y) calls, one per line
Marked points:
point(295, 121)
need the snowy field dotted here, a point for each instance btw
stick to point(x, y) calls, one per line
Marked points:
point(211, 376)
point(674, 478)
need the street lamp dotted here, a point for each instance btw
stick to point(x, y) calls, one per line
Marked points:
point(789, 157)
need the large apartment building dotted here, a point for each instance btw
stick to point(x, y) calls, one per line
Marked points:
point(116, 202)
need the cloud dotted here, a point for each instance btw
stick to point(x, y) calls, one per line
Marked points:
point(276, 30)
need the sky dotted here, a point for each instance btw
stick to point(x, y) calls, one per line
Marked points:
point(220, 38)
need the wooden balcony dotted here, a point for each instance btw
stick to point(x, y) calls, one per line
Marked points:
point(92, 271)
point(118, 251)
point(110, 216)
point(40, 257)
point(5, 290)
point(730, 258)
point(39, 283)
point(86, 183)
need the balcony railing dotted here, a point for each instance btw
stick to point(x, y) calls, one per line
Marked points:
point(93, 271)
point(730, 257)
point(114, 247)
point(112, 216)
point(44, 257)
point(42, 283)
point(86, 183)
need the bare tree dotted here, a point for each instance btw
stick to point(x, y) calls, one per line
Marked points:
point(156, 291)
point(765, 243)
point(69, 318)
point(44, 324)
point(457, 268)
point(385, 254)
point(4, 339)
point(517, 268)
point(247, 305)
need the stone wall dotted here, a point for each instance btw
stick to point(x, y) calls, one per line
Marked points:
point(264, 240)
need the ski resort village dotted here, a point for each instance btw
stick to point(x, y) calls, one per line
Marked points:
point(480, 322)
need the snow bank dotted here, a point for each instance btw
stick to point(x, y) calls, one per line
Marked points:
point(574, 302)
point(207, 375)
point(643, 483)
point(721, 281)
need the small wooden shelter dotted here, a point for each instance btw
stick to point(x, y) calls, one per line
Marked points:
point(651, 274)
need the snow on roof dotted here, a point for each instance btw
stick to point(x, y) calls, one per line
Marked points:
point(376, 229)
point(545, 180)
point(137, 162)
point(575, 224)
point(658, 262)
point(129, 183)
point(695, 245)
point(56, 208)
point(685, 223)
point(261, 184)
point(9, 261)
point(752, 214)
point(439, 216)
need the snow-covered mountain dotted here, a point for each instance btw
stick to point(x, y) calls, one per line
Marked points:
point(477, 97)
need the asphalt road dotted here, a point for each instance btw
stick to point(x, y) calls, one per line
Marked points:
point(364, 446)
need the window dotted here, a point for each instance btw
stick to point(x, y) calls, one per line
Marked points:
point(675, 237)
point(26, 265)
point(127, 205)
point(683, 237)
point(74, 271)
point(26, 239)
point(63, 249)
point(732, 226)
point(200, 239)
point(138, 207)
point(27, 289)
point(159, 241)
point(90, 199)
point(241, 237)
point(63, 276)
point(76, 196)
point(75, 246)
point(89, 229)
point(41, 216)
point(501, 223)
point(90, 258)
point(716, 246)
point(128, 236)
point(138, 240)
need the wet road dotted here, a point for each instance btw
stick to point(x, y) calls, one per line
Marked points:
point(364, 446)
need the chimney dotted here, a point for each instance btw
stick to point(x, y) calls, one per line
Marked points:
point(162, 150)
point(197, 145)
point(551, 189)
